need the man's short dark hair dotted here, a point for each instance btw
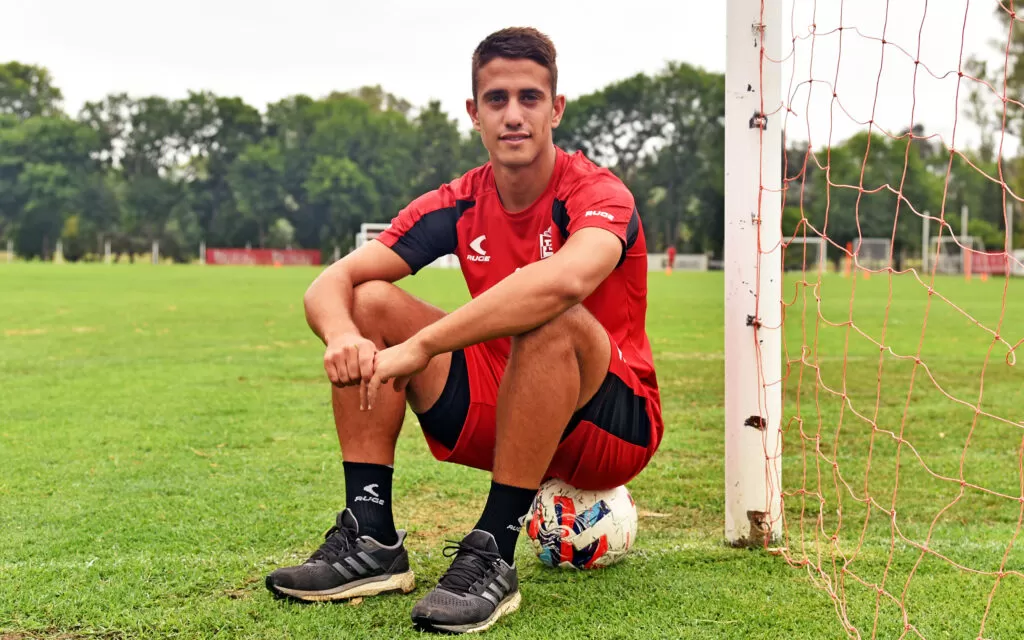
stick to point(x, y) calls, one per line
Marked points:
point(517, 43)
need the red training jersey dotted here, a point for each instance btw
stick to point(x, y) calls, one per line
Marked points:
point(465, 217)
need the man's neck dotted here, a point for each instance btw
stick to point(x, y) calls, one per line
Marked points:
point(519, 187)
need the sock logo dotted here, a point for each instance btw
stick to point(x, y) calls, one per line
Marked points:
point(520, 521)
point(371, 489)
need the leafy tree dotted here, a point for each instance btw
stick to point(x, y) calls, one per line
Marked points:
point(664, 136)
point(256, 179)
point(47, 173)
point(27, 91)
point(340, 188)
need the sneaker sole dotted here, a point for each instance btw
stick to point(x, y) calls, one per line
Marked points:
point(402, 582)
point(505, 607)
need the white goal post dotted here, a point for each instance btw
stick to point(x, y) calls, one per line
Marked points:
point(950, 254)
point(873, 253)
point(805, 254)
point(753, 272)
point(368, 231)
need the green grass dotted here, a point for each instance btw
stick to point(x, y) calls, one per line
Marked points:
point(166, 440)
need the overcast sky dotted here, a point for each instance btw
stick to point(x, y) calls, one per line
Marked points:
point(420, 50)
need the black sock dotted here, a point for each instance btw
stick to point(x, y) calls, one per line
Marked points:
point(506, 506)
point(368, 495)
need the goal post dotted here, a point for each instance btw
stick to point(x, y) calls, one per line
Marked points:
point(807, 255)
point(874, 254)
point(368, 231)
point(953, 256)
point(753, 271)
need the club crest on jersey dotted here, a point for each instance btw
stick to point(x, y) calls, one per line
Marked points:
point(547, 249)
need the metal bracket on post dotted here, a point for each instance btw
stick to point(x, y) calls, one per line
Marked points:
point(757, 29)
point(756, 422)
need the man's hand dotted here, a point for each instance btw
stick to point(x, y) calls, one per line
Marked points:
point(348, 361)
point(399, 363)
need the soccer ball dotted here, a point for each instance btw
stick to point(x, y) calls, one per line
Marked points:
point(578, 529)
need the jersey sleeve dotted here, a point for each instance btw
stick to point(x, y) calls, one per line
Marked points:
point(426, 229)
point(602, 201)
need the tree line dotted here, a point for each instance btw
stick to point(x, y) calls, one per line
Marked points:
point(305, 172)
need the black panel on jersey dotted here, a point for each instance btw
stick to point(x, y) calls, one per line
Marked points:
point(560, 216)
point(632, 233)
point(432, 236)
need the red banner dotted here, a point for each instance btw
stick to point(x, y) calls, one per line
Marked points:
point(276, 257)
point(990, 263)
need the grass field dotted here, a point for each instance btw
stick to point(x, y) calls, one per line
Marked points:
point(166, 440)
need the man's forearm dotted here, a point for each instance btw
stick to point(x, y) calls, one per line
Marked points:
point(522, 301)
point(328, 305)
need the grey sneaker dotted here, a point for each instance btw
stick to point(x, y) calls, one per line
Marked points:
point(346, 565)
point(478, 588)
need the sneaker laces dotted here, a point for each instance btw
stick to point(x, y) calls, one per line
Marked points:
point(471, 564)
point(337, 540)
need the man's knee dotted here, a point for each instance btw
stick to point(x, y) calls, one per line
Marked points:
point(372, 302)
point(570, 331)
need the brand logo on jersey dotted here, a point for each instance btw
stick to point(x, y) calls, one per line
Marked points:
point(481, 253)
point(547, 249)
point(603, 214)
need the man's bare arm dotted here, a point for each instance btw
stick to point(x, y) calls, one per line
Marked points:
point(328, 300)
point(348, 358)
point(529, 297)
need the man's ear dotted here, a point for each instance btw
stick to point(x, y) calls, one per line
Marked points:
point(474, 115)
point(559, 111)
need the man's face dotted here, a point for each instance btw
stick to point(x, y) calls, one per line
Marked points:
point(514, 110)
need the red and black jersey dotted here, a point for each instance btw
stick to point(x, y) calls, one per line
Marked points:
point(465, 217)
